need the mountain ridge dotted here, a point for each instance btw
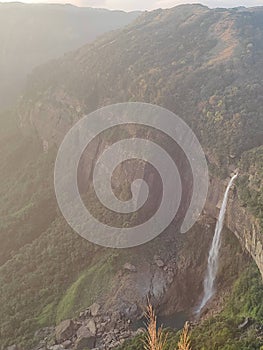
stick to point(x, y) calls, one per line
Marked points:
point(110, 45)
point(204, 65)
point(38, 32)
point(164, 58)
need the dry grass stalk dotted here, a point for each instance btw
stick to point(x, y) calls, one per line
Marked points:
point(155, 339)
point(185, 342)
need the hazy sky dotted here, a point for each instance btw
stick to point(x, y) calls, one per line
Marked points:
point(130, 5)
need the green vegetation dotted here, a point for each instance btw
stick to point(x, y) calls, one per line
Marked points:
point(47, 315)
point(222, 332)
point(91, 284)
point(40, 256)
point(251, 181)
point(184, 69)
point(25, 187)
point(47, 272)
point(37, 276)
point(247, 296)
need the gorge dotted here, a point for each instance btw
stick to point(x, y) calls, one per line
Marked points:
point(205, 65)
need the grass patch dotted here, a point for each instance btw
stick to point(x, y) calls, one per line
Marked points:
point(47, 315)
point(92, 283)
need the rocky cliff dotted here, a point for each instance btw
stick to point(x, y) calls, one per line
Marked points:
point(204, 65)
point(214, 85)
point(238, 219)
point(171, 280)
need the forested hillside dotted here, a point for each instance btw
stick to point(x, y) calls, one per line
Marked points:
point(204, 65)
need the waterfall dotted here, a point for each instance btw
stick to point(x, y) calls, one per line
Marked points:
point(212, 267)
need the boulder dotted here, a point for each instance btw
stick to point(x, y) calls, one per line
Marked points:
point(91, 325)
point(83, 331)
point(85, 339)
point(66, 344)
point(129, 267)
point(158, 261)
point(65, 330)
point(94, 309)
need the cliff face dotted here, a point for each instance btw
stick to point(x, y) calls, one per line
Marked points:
point(166, 58)
point(214, 82)
point(238, 219)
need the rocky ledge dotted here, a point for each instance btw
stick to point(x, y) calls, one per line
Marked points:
point(238, 219)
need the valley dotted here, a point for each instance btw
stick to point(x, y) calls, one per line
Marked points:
point(203, 64)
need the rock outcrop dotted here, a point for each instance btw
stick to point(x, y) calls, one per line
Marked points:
point(64, 330)
point(105, 330)
point(238, 219)
point(68, 93)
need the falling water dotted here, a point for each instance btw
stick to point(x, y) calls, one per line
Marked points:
point(214, 253)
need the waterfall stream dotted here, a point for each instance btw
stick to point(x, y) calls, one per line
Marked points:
point(213, 257)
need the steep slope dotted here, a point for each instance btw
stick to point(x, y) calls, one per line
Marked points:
point(32, 34)
point(48, 273)
point(175, 58)
point(227, 329)
point(203, 64)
